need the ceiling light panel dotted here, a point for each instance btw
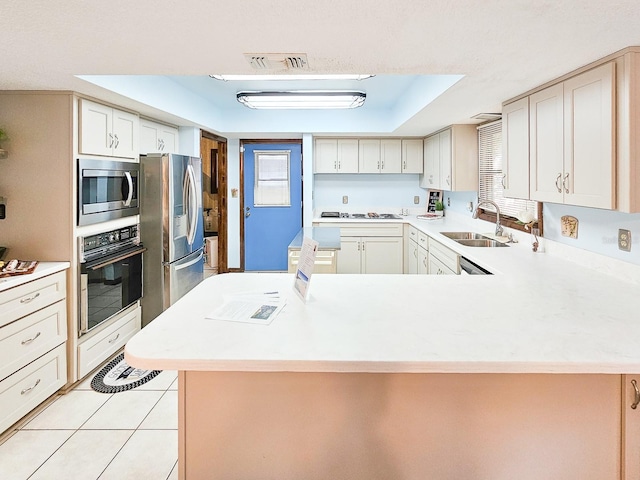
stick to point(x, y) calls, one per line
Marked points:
point(302, 100)
point(262, 78)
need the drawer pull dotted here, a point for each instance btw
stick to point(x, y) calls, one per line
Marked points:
point(27, 390)
point(114, 338)
point(30, 299)
point(636, 398)
point(29, 340)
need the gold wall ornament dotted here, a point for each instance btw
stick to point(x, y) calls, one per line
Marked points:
point(569, 226)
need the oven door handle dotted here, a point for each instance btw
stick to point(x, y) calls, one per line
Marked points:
point(96, 266)
point(84, 303)
point(127, 202)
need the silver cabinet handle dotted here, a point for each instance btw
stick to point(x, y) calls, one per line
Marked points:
point(557, 184)
point(29, 340)
point(504, 177)
point(565, 183)
point(110, 140)
point(27, 390)
point(404, 165)
point(448, 180)
point(636, 398)
point(117, 141)
point(415, 253)
point(30, 299)
point(424, 261)
point(114, 338)
point(378, 164)
point(335, 165)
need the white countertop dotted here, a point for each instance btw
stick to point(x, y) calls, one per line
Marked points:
point(42, 270)
point(538, 314)
point(328, 238)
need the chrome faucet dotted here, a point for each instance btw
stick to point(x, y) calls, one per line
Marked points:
point(499, 229)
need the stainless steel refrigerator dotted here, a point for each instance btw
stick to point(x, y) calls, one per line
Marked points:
point(171, 229)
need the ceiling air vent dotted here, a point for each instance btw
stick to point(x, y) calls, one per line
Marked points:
point(276, 62)
point(488, 116)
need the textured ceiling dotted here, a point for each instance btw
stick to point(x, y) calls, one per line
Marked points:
point(503, 48)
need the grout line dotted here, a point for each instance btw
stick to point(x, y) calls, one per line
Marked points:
point(117, 453)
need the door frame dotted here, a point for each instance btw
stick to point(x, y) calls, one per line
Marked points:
point(223, 209)
point(271, 141)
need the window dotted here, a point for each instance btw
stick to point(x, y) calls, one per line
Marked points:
point(271, 187)
point(490, 180)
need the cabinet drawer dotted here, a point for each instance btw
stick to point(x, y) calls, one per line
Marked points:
point(436, 267)
point(445, 255)
point(30, 386)
point(23, 341)
point(105, 343)
point(413, 234)
point(368, 230)
point(325, 261)
point(423, 240)
point(21, 301)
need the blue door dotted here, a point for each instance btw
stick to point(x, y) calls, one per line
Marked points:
point(272, 203)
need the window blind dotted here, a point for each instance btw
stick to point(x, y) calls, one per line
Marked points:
point(271, 186)
point(490, 173)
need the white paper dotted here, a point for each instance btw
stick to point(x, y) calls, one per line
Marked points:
point(252, 307)
point(304, 271)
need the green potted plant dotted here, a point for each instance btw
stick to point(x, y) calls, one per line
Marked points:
point(439, 208)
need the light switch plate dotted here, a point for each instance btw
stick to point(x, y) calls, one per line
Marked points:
point(416, 200)
point(345, 199)
point(624, 239)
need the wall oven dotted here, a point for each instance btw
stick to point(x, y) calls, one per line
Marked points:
point(107, 189)
point(110, 275)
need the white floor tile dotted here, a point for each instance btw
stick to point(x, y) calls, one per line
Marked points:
point(162, 381)
point(165, 414)
point(69, 411)
point(125, 410)
point(84, 456)
point(174, 473)
point(25, 451)
point(85, 384)
point(149, 454)
point(174, 385)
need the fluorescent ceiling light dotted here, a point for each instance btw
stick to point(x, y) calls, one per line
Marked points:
point(302, 99)
point(227, 78)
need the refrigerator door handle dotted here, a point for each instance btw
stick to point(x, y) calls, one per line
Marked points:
point(193, 203)
point(188, 264)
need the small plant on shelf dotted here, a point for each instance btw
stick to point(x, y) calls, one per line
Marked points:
point(439, 208)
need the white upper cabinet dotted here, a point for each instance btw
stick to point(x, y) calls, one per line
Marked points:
point(336, 155)
point(412, 155)
point(515, 149)
point(571, 132)
point(368, 155)
point(451, 159)
point(107, 131)
point(157, 137)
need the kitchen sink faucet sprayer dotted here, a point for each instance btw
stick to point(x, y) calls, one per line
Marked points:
point(499, 229)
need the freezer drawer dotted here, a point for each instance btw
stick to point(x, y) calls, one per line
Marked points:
point(181, 276)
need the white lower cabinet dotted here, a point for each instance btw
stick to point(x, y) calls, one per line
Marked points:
point(630, 427)
point(33, 353)
point(443, 260)
point(99, 347)
point(370, 255)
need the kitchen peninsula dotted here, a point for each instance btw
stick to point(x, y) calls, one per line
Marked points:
point(521, 374)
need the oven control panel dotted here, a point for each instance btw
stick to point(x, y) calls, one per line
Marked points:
point(105, 243)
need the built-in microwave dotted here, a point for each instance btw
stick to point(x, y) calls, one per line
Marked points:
point(107, 189)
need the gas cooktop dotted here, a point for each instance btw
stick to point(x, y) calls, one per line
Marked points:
point(369, 215)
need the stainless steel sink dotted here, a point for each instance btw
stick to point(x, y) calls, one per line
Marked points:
point(481, 242)
point(471, 239)
point(464, 236)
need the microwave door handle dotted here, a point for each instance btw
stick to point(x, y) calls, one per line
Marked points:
point(127, 202)
point(193, 203)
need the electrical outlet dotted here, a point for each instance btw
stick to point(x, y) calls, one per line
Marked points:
point(416, 200)
point(624, 239)
point(345, 199)
point(448, 201)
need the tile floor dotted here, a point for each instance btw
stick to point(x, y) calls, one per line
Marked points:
point(86, 435)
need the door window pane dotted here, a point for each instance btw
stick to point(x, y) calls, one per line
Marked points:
point(271, 186)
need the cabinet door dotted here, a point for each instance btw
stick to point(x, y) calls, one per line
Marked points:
point(515, 149)
point(412, 156)
point(589, 161)
point(423, 261)
point(125, 134)
point(348, 155)
point(391, 155)
point(413, 258)
point(369, 155)
point(431, 176)
point(631, 428)
point(436, 267)
point(546, 155)
point(169, 139)
point(325, 155)
point(381, 255)
point(96, 123)
point(444, 139)
point(149, 137)
point(349, 255)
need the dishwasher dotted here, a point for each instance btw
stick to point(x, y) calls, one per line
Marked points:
point(467, 267)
